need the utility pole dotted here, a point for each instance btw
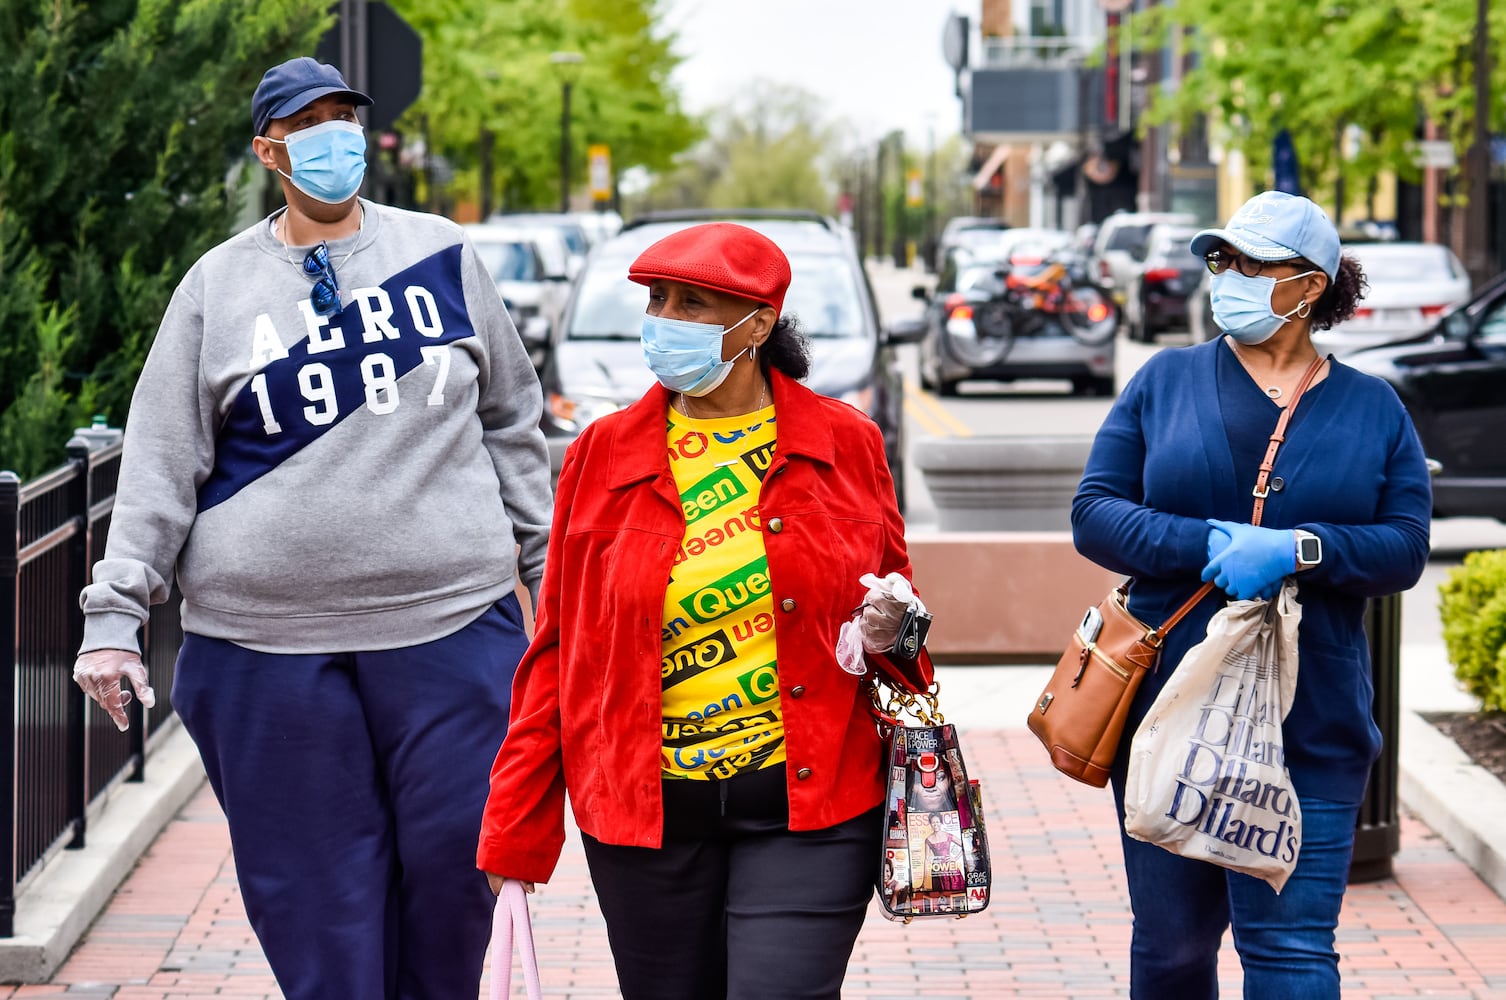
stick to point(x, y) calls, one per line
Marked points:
point(1477, 224)
point(901, 204)
point(860, 210)
point(878, 200)
point(486, 142)
point(928, 240)
point(566, 66)
point(353, 47)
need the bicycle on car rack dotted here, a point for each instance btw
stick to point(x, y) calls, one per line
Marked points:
point(1034, 294)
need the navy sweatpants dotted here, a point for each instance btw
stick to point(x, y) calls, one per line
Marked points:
point(354, 785)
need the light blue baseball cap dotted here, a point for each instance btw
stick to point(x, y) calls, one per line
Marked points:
point(1274, 226)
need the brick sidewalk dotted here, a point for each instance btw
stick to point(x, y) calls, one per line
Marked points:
point(1058, 926)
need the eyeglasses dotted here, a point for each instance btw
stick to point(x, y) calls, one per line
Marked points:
point(325, 295)
point(1219, 261)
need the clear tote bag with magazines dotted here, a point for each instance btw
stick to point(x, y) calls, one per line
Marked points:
point(1207, 767)
point(935, 853)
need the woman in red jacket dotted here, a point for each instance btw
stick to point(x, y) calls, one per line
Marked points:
point(683, 684)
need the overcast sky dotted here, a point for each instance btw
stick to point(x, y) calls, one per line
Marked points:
point(876, 63)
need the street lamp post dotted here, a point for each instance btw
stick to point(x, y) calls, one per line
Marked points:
point(566, 64)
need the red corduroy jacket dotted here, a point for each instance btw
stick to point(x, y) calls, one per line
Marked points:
point(586, 699)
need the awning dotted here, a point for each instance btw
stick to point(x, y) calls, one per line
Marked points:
point(990, 167)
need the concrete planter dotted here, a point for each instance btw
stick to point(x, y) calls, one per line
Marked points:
point(1003, 483)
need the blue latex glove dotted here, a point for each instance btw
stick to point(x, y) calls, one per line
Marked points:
point(1253, 562)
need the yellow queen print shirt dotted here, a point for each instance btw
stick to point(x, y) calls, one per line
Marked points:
point(721, 713)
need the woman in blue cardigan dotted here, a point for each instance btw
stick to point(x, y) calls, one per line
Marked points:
point(1167, 499)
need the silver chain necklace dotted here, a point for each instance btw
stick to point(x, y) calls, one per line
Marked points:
point(280, 229)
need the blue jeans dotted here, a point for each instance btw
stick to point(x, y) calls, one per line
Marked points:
point(1285, 942)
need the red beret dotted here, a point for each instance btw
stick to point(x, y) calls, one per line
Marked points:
point(722, 256)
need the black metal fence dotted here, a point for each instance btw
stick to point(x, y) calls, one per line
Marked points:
point(58, 752)
point(1377, 831)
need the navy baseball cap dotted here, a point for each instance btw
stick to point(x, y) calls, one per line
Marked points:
point(294, 85)
point(1274, 226)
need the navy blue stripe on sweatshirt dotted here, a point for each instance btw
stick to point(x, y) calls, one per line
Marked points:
point(309, 392)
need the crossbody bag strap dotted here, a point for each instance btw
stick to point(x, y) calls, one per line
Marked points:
point(1262, 490)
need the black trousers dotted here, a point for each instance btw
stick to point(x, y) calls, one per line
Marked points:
point(736, 906)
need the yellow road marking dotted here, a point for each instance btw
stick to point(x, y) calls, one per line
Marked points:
point(937, 413)
point(915, 413)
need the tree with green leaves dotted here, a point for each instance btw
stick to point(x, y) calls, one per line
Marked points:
point(121, 122)
point(770, 148)
point(1351, 81)
point(488, 78)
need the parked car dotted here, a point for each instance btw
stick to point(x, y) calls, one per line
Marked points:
point(1452, 379)
point(1156, 298)
point(599, 226)
point(568, 226)
point(1411, 286)
point(1200, 323)
point(597, 366)
point(1119, 238)
point(1046, 350)
point(952, 235)
point(533, 296)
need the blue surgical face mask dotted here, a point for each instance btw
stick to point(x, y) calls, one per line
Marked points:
point(687, 357)
point(328, 160)
point(1242, 306)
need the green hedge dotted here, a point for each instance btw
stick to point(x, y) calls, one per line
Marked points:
point(1473, 607)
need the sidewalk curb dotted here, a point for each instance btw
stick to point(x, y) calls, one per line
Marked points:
point(1460, 800)
point(57, 907)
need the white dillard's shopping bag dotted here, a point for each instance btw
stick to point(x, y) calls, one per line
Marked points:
point(1207, 768)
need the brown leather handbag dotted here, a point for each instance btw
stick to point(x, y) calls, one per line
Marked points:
point(1080, 715)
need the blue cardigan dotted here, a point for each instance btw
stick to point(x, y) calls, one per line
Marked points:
point(1353, 473)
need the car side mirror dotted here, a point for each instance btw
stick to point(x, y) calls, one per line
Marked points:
point(1139, 252)
point(1456, 325)
point(905, 331)
point(921, 292)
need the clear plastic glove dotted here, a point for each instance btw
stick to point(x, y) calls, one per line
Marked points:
point(884, 609)
point(100, 674)
point(1253, 563)
point(850, 647)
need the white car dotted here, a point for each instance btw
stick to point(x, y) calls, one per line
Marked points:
point(533, 292)
point(1411, 286)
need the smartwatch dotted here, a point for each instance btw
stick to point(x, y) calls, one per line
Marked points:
point(1309, 550)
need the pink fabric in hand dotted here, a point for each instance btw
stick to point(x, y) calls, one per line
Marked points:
point(508, 919)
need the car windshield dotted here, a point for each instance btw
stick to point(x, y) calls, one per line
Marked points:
point(1127, 237)
point(985, 275)
point(823, 294)
point(1176, 249)
point(1397, 264)
point(507, 261)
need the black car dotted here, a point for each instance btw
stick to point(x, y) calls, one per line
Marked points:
point(1453, 381)
point(596, 365)
point(1168, 273)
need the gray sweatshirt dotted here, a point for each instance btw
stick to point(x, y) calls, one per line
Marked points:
point(329, 483)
